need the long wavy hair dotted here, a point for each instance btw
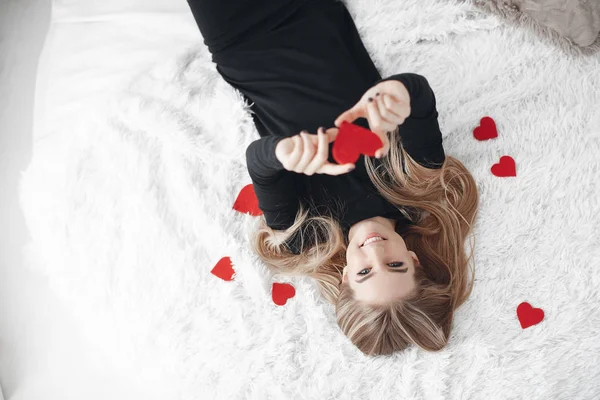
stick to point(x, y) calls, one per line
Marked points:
point(441, 204)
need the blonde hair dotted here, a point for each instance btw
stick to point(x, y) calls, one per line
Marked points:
point(442, 205)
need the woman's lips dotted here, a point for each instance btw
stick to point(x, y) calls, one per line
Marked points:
point(371, 235)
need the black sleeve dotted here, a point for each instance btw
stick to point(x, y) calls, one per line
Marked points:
point(420, 132)
point(276, 188)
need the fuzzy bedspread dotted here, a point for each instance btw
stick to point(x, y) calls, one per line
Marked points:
point(129, 218)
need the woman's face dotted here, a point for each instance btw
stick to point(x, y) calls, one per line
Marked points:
point(380, 271)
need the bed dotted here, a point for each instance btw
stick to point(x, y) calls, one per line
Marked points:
point(138, 159)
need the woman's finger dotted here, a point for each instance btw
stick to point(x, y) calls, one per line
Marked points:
point(351, 115)
point(335, 169)
point(399, 108)
point(374, 118)
point(332, 134)
point(376, 123)
point(386, 115)
point(386, 145)
point(321, 155)
point(283, 150)
point(387, 112)
point(307, 153)
point(295, 156)
point(380, 128)
point(395, 89)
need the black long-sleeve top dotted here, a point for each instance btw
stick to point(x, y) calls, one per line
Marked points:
point(279, 191)
point(301, 73)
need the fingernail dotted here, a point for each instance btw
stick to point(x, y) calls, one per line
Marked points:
point(321, 128)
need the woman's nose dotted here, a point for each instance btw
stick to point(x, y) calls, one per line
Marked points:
point(376, 253)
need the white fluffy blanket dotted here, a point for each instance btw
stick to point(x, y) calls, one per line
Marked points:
point(130, 218)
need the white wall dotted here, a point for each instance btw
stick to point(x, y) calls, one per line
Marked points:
point(23, 26)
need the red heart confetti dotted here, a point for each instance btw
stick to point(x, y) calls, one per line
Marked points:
point(486, 129)
point(352, 141)
point(282, 292)
point(529, 316)
point(224, 269)
point(247, 202)
point(506, 167)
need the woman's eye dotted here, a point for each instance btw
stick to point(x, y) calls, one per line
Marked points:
point(393, 264)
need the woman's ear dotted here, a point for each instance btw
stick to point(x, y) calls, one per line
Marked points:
point(345, 274)
point(414, 257)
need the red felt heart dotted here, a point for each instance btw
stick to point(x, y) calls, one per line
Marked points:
point(529, 316)
point(486, 129)
point(352, 141)
point(506, 167)
point(224, 269)
point(282, 292)
point(247, 202)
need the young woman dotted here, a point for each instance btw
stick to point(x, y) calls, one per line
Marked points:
point(384, 240)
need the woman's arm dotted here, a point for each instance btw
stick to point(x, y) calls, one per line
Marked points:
point(276, 189)
point(420, 131)
point(275, 164)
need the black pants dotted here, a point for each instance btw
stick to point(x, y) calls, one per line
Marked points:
point(225, 23)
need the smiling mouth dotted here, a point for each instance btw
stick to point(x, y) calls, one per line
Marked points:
point(380, 237)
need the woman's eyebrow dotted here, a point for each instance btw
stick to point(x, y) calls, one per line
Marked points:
point(404, 270)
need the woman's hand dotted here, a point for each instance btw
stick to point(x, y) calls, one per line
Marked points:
point(308, 154)
point(385, 105)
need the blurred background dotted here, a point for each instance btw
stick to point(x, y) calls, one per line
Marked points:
point(41, 353)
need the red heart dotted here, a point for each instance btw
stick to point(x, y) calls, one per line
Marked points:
point(282, 292)
point(528, 315)
point(224, 269)
point(352, 141)
point(247, 202)
point(506, 167)
point(486, 130)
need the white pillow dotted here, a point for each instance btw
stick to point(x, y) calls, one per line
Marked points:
point(578, 20)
